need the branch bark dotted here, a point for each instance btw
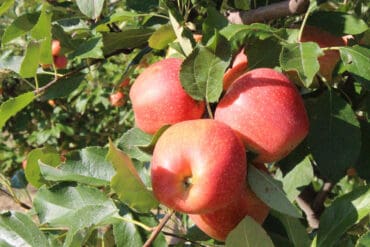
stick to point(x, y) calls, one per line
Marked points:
point(158, 229)
point(269, 12)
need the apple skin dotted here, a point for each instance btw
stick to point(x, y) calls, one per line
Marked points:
point(218, 224)
point(239, 67)
point(267, 112)
point(117, 99)
point(198, 166)
point(324, 39)
point(60, 62)
point(158, 98)
point(55, 47)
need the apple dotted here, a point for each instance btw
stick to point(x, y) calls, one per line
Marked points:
point(24, 164)
point(325, 39)
point(55, 47)
point(51, 102)
point(159, 99)
point(218, 224)
point(60, 62)
point(267, 112)
point(198, 166)
point(117, 99)
point(239, 67)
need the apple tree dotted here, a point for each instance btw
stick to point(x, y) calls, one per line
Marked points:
point(72, 141)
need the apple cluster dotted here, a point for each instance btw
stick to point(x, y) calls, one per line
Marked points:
point(199, 165)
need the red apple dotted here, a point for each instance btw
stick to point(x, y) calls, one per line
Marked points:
point(239, 67)
point(117, 99)
point(267, 111)
point(60, 62)
point(218, 224)
point(198, 166)
point(55, 47)
point(324, 39)
point(158, 98)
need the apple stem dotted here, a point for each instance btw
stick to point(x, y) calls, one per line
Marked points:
point(158, 228)
point(209, 110)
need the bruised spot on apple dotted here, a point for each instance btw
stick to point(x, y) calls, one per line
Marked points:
point(324, 39)
point(267, 112)
point(198, 166)
point(239, 67)
point(158, 98)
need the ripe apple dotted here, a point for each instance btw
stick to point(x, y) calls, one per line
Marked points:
point(117, 99)
point(267, 112)
point(24, 164)
point(218, 224)
point(60, 62)
point(324, 39)
point(198, 166)
point(158, 98)
point(55, 47)
point(239, 67)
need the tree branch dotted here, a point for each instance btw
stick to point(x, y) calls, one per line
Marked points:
point(269, 12)
point(318, 203)
point(76, 70)
point(22, 204)
point(158, 229)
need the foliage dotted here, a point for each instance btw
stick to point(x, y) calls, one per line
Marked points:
point(91, 165)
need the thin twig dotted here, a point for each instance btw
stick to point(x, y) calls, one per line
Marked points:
point(269, 12)
point(183, 238)
point(311, 217)
point(158, 229)
point(77, 70)
point(22, 204)
point(318, 203)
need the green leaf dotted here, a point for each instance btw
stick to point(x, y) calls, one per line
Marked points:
point(127, 38)
point(46, 155)
point(202, 73)
point(132, 140)
point(64, 87)
point(296, 231)
point(90, 8)
point(296, 179)
point(242, 4)
point(338, 23)
point(363, 163)
point(215, 21)
point(162, 37)
point(335, 137)
point(5, 5)
point(17, 229)
point(20, 26)
point(126, 234)
point(127, 183)
point(270, 192)
point(31, 60)
point(183, 35)
point(10, 107)
point(269, 58)
point(41, 32)
point(356, 60)
point(138, 144)
point(91, 48)
point(343, 213)
point(302, 58)
point(142, 6)
point(364, 241)
point(66, 206)
point(248, 233)
point(86, 166)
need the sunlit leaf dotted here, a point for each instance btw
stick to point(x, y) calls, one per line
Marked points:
point(10, 107)
point(356, 60)
point(17, 229)
point(90, 8)
point(20, 26)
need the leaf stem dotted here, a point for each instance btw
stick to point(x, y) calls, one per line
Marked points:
point(158, 229)
point(209, 110)
point(135, 222)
